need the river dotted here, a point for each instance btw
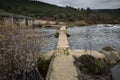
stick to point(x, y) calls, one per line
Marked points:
point(50, 39)
point(94, 37)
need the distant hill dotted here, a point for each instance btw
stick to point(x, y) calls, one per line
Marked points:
point(42, 10)
point(35, 8)
point(111, 12)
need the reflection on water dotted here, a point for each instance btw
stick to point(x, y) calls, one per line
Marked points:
point(94, 37)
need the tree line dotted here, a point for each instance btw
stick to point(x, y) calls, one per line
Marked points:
point(42, 10)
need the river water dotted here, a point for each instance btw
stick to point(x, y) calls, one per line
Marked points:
point(50, 39)
point(94, 37)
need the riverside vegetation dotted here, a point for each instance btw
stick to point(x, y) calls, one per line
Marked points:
point(92, 68)
point(19, 53)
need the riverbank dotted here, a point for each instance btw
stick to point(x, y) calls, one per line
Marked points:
point(56, 24)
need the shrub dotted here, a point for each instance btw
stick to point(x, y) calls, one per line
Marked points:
point(91, 65)
point(43, 66)
point(18, 52)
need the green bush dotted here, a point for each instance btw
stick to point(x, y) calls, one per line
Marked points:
point(99, 66)
point(43, 66)
point(18, 51)
point(91, 65)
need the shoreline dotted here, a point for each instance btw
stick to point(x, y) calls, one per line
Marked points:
point(56, 24)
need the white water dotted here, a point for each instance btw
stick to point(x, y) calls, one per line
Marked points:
point(94, 37)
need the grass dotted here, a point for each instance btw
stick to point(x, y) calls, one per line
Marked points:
point(66, 52)
point(99, 66)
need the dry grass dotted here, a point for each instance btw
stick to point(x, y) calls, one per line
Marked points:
point(18, 51)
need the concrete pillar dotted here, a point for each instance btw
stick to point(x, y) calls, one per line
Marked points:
point(8, 20)
point(12, 21)
point(22, 22)
point(30, 22)
point(26, 22)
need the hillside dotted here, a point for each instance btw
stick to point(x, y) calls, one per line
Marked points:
point(111, 12)
point(42, 10)
point(35, 8)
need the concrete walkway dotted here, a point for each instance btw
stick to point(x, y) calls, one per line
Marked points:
point(63, 67)
point(62, 41)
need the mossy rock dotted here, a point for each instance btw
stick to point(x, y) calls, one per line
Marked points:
point(68, 35)
point(91, 65)
point(108, 48)
point(57, 33)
